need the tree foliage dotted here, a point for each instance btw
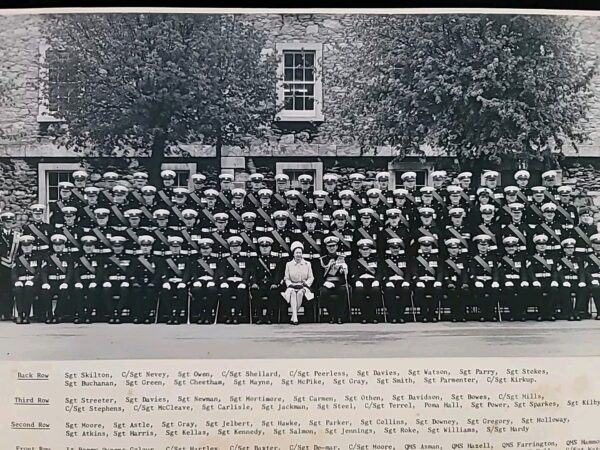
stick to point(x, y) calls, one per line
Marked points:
point(476, 86)
point(149, 82)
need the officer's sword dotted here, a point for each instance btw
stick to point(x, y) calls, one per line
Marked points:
point(412, 304)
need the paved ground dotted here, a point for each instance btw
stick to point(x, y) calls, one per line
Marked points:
point(103, 341)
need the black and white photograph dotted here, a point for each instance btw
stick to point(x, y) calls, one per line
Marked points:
point(299, 185)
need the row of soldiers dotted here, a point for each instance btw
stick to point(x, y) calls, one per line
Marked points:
point(163, 235)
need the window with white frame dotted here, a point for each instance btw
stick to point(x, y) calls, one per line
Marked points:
point(421, 180)
point(49, 175)
point(299, 88)
point(295, 169)
point(54, 178)
point(57, 87)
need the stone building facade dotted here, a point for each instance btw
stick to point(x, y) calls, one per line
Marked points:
point(31, 164)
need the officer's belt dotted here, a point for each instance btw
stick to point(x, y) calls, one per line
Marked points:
point(512, 276)
point(542, 274)
point(426, 278)
point(87, 277)
point(161, 252)
point(483, 277)
point(571, 277)
point(40, 247)
point(57, 277)
point(595, 275)
point(175, 280)
point(117, 277)
point(26, 277)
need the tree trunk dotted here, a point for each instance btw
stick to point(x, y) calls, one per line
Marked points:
point(156, 159)
point(219, 153)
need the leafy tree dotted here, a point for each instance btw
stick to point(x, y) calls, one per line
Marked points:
point(480, 87)
point(144, 83)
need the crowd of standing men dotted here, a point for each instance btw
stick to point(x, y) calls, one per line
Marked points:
point(144, 254)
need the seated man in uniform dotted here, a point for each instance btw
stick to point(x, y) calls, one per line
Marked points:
point(333, 274)
point(204, 284)
point(366, 278)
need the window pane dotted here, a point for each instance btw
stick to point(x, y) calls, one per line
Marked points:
point(52, 194)
point(309, 59)
point(288, 59)
point(299, 74)
point(289, 103)
point(53, 178)
point(299, 103)
point(298, 59)
point(310, 103)
point(289, 75)
point(309, 75)
point(310, 89)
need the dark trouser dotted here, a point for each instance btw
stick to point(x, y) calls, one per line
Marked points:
point(486, 299)
point(234, 301)
point(367, 298)
point(594, 291)
point(396, 298)
point(24, 298)
point(62, 301)
point(173, 301)
point(144, 301)
point(335, 300)
point(567, 309)
point(545, 298)
point(6, 299)
point(111, 306)
point(427, 299)
point(265, 302)
point(513, 297)
point(204, 301)
point(457, 300)
point(85, 299)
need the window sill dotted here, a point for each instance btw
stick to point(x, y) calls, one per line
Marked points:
point(44, 118)
point(296, 118)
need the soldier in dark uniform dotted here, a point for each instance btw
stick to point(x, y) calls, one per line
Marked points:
point(145, 276)
point(323, 210)
point(455, 200)
point(116, 282)
point(427, 228)
point(234, 274)
point(117, 208)
point(25, 279)
point(409, 214)
point(79, 184)
point(65, 198)
point(161, 232)
point(174, 291)
point(458, 230)
point(86, 218)
point(516, 227)
point(220, 236)
point(264, 221)
point(551, 228)
point(105, 197)
point(57, 277)
point(513, 277)
point(483, 277)
point(592, 272)
point(39, 229)
point(349, 205)
point(490, 181)
point(356, 185)
point(282, 184)
point(426, 279)
point(484, 198)
point(8, 248)
point(149, 205)
point(438, 178)
point(427, 200)
point(583, 231)
point(102, 231)
point(395, 279)
point(534, 215)
point(257, 182)
point(572, 280)
point(305, 193)
point(204, 284)
point(394, 229)
point(510, 196)
point(140, 179)
point(133, 231)
point(549, 181)
point(282, 235)
point(455, 279)
point(566, 212)
point(70, 229)
point(165, 194)
point(544, 282)
point(265, 283)
point(488, 225)
point(409, 182)
point(206, 218)
point(468, 191)
point(343, 231)
point(296, 210)
point(522, 181)
point(238, 208)
point(249, 235)
point(87, 278)
point(378, 202)
point(368, 228)
point(180, 202)
point(197, 191)
point(366, 280)
point(333, 279)
point(330, 185)
point(190, 231)
point(382, 182)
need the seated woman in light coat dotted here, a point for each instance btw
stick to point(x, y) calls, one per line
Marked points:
point(298, 278)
